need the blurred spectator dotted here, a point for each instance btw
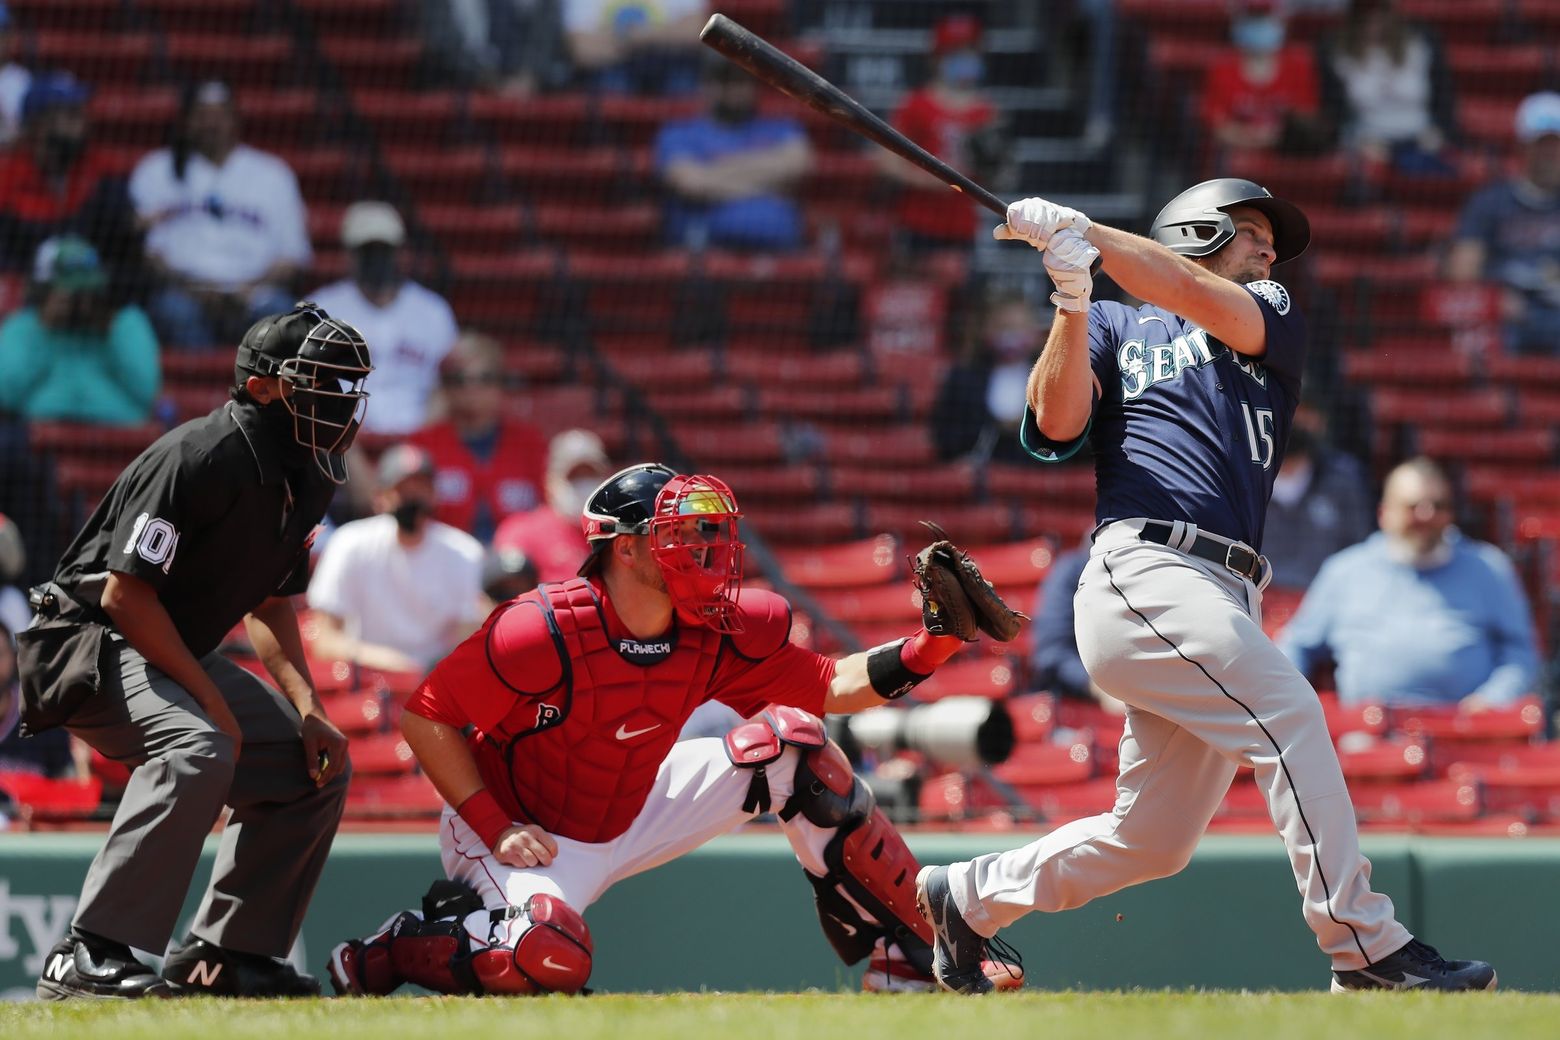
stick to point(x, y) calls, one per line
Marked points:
point(14, 79)
point(68, 354)
point(225, 225)
point(551, 535)
point(635, 46)
point(506, 574)
point(398, 590)
point(1416, 613)
point(981, 402)
point(951, 118)
point(1320, 503)
point(410, 328)
point(514, 47)
point(486, 466)
point(1387, 88)
point(1262, 95)
point(55, 181)
point(1509, 232)
point(49, 753)
point(1054, 663)
point(15, 613)
point(729, 173)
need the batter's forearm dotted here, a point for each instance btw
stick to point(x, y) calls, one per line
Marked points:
point(1061, 384)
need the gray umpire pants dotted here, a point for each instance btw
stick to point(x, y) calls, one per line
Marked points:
point(1180, 641)
point(275, 842)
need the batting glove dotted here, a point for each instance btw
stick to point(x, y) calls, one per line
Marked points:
point(1069, 260)
point(1035, 220)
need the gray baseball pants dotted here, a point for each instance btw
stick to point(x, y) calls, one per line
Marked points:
point(1180, 641)
point(274, 845)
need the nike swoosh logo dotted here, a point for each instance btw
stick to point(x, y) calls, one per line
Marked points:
point(850, 929)
point(548, 962)
point(624, 733)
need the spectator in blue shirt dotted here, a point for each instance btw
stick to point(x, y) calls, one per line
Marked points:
point(729, 173)
point(1417, 614)
point(1054, 663)
point(1509, 232)
point(1320, 503)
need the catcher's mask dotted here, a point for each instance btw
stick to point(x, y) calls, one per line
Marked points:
point(324, 362)
point(691, 522)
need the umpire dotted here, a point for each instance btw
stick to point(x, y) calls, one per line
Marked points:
point(209, 526)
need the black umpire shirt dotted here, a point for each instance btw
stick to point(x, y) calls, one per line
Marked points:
point(212, 517)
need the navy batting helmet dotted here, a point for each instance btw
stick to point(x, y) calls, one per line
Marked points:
point(1197, 221)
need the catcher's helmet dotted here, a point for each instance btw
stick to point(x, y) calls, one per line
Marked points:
point(691, 522)
point(323, 361)
point(1197, 221)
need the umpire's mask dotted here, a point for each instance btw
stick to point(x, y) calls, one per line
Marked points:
point(323, 362)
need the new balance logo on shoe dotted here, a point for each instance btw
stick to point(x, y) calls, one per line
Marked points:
point(58, 965)
point(204, 973)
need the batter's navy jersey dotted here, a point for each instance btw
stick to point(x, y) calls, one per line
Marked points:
point(1183, 428)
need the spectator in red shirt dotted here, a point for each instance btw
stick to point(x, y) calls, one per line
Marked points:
point(549, 535)
point(54, 182)
point(953, 120)
point(1262, 95)
point(487, 466)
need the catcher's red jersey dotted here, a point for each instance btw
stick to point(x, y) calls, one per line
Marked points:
point(573, 715)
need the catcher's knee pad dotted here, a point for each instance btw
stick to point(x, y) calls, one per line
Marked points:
point(870, 867)
point(759, 743)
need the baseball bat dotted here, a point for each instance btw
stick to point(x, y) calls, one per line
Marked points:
point(796, 80)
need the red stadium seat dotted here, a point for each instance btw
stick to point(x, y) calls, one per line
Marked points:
point(867, 561)
point(1515, 448)
point(1057, 485)
point(842, 367)
point(1034, 717)
point(482, 229)
point(905, 445)
point(969, 676)
point(1437, 801)
point(374, 797)
point(895, 601)
point(1384, 760)
point(953, 482)
point(382, 755)
point(774, 487)
point(1519, 723)
point(133, 117)
point(423, 120)
point(552, 121)
point(660, 369)
point(965, 524)
point(1063, 802)
point(441, 176)
point(1353, 718)
point(356, 714)
point(242, 60)
point(1022, 564)
point(719, 403)
point(382, 62)
point(1461, 408)
point(1507, 69)
point(1045, 765)
point(633, 122)
point(817, 523)
point(1528, 372)
point(864, 404)
point(502, 290)
point(710, 445)
point(1406, 369)
point(116, 59)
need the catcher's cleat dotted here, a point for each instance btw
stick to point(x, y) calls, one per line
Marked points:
point(199, 968)
point(1416, 966)
point(96, 969)
point(890, 975)
point(959, 953)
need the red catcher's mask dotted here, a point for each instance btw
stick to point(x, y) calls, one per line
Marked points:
point(693, 537)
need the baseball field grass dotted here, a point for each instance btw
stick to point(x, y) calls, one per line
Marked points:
point(813, 1016)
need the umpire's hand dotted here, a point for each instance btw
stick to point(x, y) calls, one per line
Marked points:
point(324, 748)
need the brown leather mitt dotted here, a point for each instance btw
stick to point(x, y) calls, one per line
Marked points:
point(956, 600)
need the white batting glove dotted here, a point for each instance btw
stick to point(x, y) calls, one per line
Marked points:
point(1069, 260)
point(1035, 220)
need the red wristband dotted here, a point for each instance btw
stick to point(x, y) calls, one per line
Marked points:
point(483, 815)
point(923, 652)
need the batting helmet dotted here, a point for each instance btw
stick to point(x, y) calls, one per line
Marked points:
point(692, 525)
point(324, 362)
point(1197, 221)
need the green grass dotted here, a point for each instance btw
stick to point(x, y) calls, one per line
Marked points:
point(812, 1016)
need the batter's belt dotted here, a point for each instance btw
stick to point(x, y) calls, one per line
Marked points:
point(1238, 557)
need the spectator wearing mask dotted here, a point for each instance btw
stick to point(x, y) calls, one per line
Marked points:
point(398, 590)
point(730, 174)
point(411, 328)
point(54, 181)
point(1320, 504)
point(951, 118)
point(1417, 614)
point(1263, 95)
point(635, 46)
point(512, 47)
point(69, 354)
point(981, 402)
point(486, 466)
point(550, 535)
point(1509, 232)
point(225, 224)
point(1387, 88)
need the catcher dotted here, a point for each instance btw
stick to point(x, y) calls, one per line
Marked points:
point(571, 778)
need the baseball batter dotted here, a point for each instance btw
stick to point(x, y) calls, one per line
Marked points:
point(573, 779)
point(1187, 400)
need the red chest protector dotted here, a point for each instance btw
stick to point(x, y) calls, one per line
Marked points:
point(580, 757)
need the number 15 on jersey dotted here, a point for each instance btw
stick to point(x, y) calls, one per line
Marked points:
point(1259, 433)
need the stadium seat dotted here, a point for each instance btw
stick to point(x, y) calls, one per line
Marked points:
point(773, 487)
point(965, 524)
point(103, 59)
point(504, 291)
point(710, 445)
point(382, 63)
point(1057, 485)
point(816, 523)
point(894, 601)
point(867, 561)
point(371, 797)
point(907, 445)
point(548, 120)
point(1518, 449)
point(969, 676)
point(1461, 408)
point(384, 754)
point(761, 365)
point(952, 482)
point(1064, 802)
point(1387, 759)
point(139, 117)
point(1034, 717)
point(1046, 765)
point(356, 714)
point(242, 60)
point(1436, 801)
point(441, 176)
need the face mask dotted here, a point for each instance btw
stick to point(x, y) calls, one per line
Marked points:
point(569, 496)
point(1012, 344)
point(410, 514)
point(1258, 35)
point(60, 150)
point(376, 268)
point(963, 69)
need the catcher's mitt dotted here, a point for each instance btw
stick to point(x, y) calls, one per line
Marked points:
point(955, 599)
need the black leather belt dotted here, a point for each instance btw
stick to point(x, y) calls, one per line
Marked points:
point(1232, 555)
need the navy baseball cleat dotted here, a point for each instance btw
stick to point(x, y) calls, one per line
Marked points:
point(959, 953)
point(1416, 966)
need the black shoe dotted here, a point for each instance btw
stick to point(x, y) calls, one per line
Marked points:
point(199, 968)
point(959, 952)
point(96, 969)
point(1416, 966)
